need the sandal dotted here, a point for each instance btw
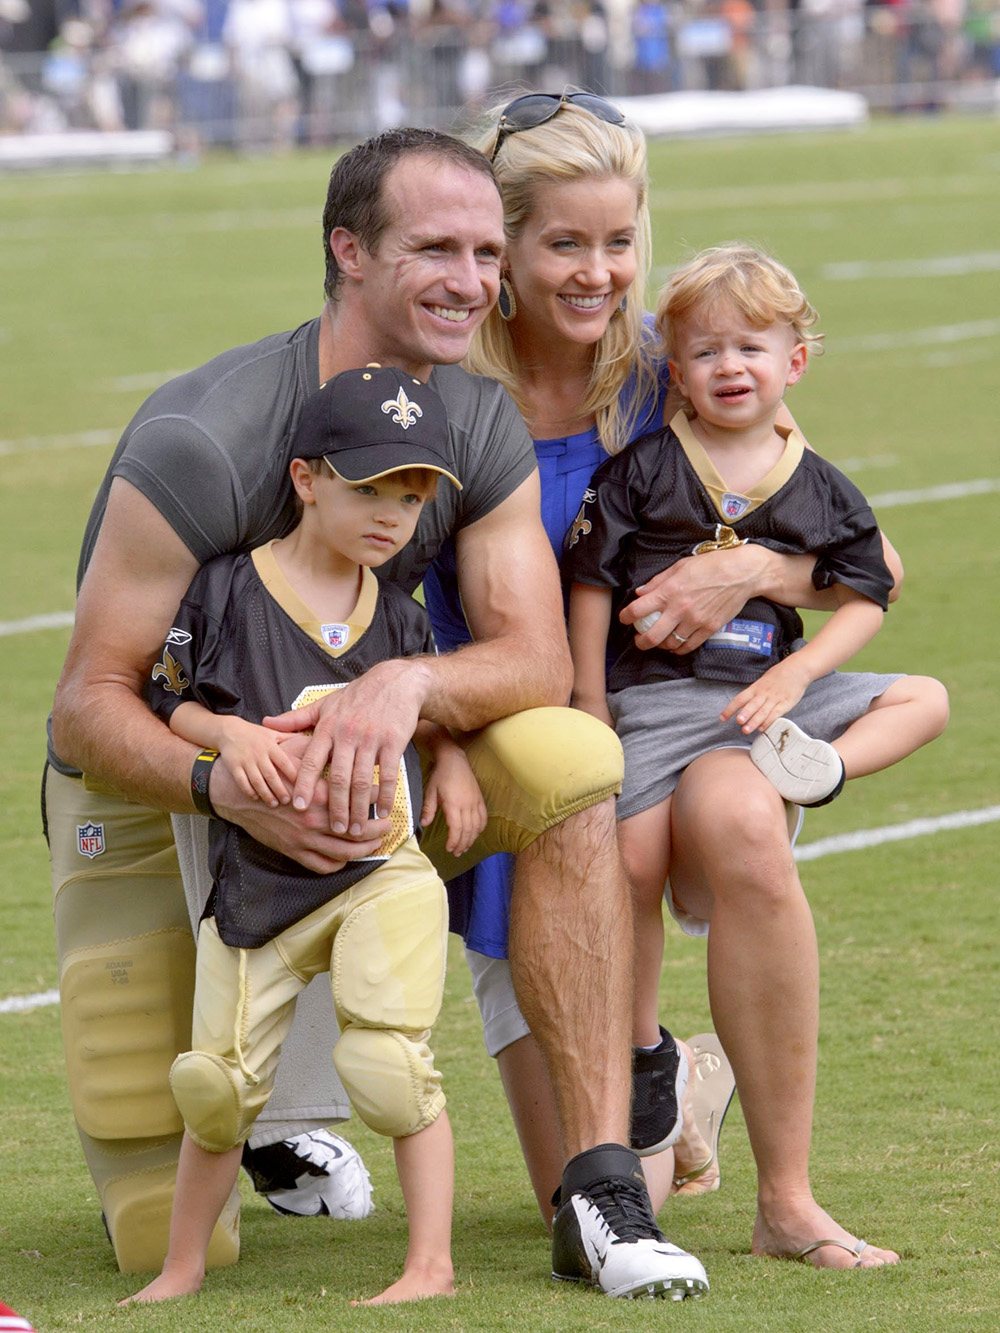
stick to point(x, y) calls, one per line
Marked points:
point(858, 1249)
point(712, 1088)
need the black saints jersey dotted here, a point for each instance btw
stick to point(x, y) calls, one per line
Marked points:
point(661, 499)
point(244, 643)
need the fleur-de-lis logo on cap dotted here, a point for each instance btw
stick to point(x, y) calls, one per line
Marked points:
point(402, 410)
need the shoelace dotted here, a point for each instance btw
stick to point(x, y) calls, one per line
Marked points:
point(625, 1208)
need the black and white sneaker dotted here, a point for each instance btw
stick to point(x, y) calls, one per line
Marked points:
point(605, 1234)
point(313, 1175)
point(659, 1078)
point(806, 771)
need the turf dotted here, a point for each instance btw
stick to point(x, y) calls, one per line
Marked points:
point(111, 282)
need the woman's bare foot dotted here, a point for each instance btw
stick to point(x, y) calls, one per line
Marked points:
point(691, 1152)
point(709, 1091)
point(173, 1281)
point(702, 1179)
point(420, 1280)
point(794, 1236)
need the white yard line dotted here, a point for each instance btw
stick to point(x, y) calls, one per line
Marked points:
point(940, 266)
point(82, 439)
point(58, 228)
point(17, 1004)
point(936, 335)
point(803, 193)
point(913, 828)
point(812, 851)
point(955, 490)
point(50, 620)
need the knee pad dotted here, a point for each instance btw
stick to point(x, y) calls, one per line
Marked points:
point(538, 767)
point(217, 1103)
point(390, 1079)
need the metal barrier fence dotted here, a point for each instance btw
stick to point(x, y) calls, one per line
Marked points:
point(395, 71)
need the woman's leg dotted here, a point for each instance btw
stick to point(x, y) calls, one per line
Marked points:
point(645, 846)
point(533, 1109)
point(911, 712)
point(532, 1103)
point(731, 863)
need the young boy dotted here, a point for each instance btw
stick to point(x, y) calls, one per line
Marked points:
point(257, 634)
point(735, 326)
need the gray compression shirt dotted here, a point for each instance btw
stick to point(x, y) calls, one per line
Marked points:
point(210, 450)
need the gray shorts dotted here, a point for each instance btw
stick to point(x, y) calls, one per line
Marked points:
point(503, 1022)
point(666, 725)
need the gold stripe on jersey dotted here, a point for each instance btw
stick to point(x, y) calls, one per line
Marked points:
point(717, 488)
point(270, 574)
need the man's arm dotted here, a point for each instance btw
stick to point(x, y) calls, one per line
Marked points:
point(701, 593)
point(509, 583)
point(512, 597)
point(139, 572)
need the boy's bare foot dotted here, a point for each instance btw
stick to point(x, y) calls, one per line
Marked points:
point(796, 1236)
point(173, 1281)
point(419, 1281)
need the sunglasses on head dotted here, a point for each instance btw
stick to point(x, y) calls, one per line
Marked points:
point(533, 109)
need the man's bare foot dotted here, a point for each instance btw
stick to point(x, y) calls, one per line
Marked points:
point(172, 1282)
point(420, 1280)
point(795, 1237)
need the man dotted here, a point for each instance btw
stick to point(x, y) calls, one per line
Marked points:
point(414, 238)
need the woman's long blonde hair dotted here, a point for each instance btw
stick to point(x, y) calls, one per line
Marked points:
point(575, 145)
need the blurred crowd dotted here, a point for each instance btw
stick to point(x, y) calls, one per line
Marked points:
point(272, 73)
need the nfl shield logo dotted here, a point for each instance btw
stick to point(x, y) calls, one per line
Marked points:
point(734, 505)
point(335, 636)
point(90, 839)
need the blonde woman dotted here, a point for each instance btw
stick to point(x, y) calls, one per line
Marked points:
point(571, 344)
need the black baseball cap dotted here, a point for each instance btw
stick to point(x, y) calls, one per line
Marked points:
point(367, 423)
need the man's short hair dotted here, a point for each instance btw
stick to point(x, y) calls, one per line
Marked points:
point(355, 200)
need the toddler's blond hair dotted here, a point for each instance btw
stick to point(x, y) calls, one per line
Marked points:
point(763, 290)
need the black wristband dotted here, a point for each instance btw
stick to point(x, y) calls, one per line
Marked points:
point(201, 771)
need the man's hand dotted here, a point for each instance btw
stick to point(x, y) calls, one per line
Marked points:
point(304, 835)
point(696, 596)
point(369, 721)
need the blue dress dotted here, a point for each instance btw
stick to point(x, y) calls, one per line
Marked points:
point(479, 900)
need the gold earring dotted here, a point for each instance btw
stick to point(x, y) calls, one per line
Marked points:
point(506, 301)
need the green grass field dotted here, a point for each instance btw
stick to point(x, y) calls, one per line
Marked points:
point(109, 283)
